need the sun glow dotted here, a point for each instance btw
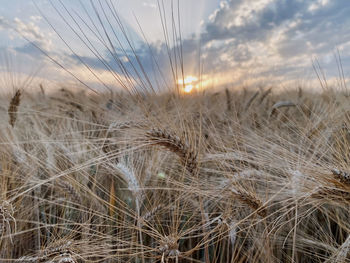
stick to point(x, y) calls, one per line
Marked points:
point(188, 84)
point(188, 88)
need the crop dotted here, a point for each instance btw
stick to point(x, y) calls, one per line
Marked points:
point(135, 175)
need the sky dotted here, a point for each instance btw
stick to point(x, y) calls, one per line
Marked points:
point(150, 44)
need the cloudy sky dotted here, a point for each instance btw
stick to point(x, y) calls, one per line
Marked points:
point(145, 43)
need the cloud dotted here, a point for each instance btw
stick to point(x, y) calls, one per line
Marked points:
point(36, 18)
point(3, 23)
point(259, 40)
point(318, 4)
point(281, 36)
point(33, 33)
point(30, 31)
point(255, 40)
point(149, 4)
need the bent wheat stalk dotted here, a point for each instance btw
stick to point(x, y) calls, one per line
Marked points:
point(281, 104)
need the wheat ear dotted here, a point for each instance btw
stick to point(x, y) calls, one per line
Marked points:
point(6, 216)
point(70, 190)
point(251, 200)
point(264, 95)
point(12, 110)
point(174, 144)
point(60, 253)
point(342, 176)
point(250, 101)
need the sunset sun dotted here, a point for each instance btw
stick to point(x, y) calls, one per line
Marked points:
point(188, 84)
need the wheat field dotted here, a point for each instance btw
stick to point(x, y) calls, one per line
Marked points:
point(233, 176)
point(167, 173)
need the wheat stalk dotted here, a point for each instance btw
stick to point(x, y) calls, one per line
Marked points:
point(135, 188)
point(281, 104)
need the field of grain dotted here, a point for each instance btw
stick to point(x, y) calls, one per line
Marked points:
point(234, 176)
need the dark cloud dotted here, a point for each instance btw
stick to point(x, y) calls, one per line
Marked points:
point(319, 31)
point(297, 30)
point(257, 25)
point(147, 64)
point(31, 49)
point(327, 24)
